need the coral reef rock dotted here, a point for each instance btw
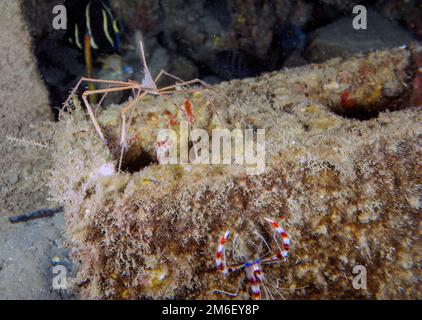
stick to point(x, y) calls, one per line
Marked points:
point(24, 108)
point(405, 12)
point(340, 39)
point(347, 191)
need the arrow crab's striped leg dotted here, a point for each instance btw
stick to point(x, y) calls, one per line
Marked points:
point(282, 254)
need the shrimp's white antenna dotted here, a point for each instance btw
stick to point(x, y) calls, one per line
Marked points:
point(147, 81)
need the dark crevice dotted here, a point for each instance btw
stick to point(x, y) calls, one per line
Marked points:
point(143, 160)
point(360, 115)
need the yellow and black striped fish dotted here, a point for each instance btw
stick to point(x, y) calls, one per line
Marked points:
point(95, 19)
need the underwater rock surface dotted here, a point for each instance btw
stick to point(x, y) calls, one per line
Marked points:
point(347, 191)
point(339, 39)
point(28, 253)
point(24, 113)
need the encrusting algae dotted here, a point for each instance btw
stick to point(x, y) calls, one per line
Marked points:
point(347, 191)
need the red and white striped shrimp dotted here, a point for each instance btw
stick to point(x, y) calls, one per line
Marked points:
point(253, 269)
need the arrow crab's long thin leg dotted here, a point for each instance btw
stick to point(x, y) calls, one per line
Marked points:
point(89, 108)
point(125, 130)
point(84, 79)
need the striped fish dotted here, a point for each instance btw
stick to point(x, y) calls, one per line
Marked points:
point(96, 19)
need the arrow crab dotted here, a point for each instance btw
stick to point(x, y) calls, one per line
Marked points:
point(148, 86)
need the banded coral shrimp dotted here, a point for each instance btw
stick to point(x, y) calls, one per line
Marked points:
point(253, 268)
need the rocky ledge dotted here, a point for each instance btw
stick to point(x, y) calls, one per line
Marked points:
point(346, 188)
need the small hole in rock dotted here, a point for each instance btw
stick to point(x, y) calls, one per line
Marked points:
point(143, 160)
point(360, 115)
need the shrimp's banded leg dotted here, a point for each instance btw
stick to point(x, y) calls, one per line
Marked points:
point(255, 277)
point(283, 252)
point(220, 257)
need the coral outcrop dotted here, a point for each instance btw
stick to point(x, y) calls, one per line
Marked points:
point(347, 191)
